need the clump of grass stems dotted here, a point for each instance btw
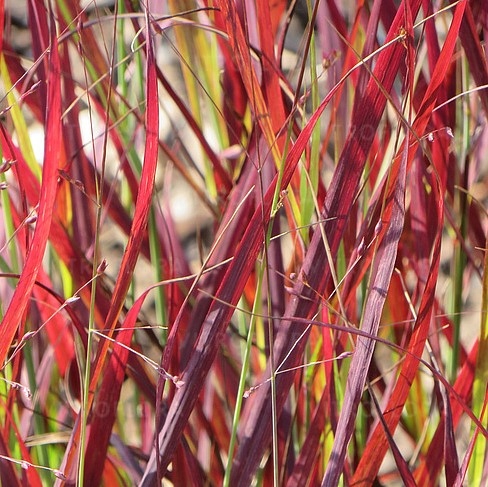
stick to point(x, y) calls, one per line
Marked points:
point(250, 247)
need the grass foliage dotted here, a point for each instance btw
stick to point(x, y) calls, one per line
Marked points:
point(244, 242)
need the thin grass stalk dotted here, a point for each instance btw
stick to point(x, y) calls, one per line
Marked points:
point(460, 205)
point(96, 270)
point(272, 367)
point(243, 378)
point(480, 388)
point(86, 371)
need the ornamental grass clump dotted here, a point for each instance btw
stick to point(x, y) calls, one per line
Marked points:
point(248, 246)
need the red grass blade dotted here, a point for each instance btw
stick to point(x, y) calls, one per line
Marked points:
point(53, 144)
point(109, 392)
point(141, 214)
point(384, 261)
